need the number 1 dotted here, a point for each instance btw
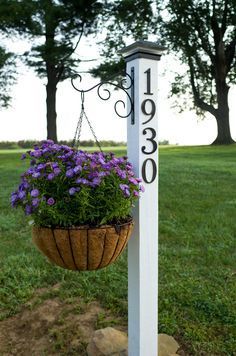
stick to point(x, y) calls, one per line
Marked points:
point(148, 92)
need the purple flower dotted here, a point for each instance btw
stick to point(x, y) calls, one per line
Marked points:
point(69, 154)
point(93, 165)
point(95, 182)
point(35, 202)
point(21, 195)
point(77, 169)
point(51, 176)
point(129, 166)
point(48, 142)
point(36, 154)
point(14, 198)
point(41, 166)
point(102, 174)
point(30, 170)
point(36, 175)
point(142, 188)
point(131, 173)
point(70, 173)
point(79, 160)
point(55, 147)
point(50, 201)
point(120, 173)
point(136, 194)
point(93, 175)
point(72, 191)
point(125, 189)
point(82, 181)
point(28, 209)
point(23, 156)
point(133, 180)
point(101, 161)
point(108, 166)
point(57, 171)
point(34, 193)
point(127, 193)
point(25, 185)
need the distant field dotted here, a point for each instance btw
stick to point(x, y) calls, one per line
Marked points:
point(197, 251)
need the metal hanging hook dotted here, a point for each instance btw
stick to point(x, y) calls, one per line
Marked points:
point(82, 100)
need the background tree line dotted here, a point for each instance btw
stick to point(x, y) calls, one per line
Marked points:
point(201, 34)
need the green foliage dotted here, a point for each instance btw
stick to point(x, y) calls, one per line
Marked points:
point(57, 27)
point(129, 17)
point(202, 34)
point(7, 76)
point(15, 16)
point(103, 205)
point(164, 142)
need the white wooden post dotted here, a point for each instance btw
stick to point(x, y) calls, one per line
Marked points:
point(142, 59)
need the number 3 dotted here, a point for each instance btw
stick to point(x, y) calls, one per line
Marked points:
point(151, 139)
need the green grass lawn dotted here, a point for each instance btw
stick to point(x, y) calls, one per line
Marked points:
point(197, 251)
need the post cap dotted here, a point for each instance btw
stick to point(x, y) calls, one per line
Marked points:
point(143, 49)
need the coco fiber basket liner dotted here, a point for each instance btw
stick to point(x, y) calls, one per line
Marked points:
point(82, 248)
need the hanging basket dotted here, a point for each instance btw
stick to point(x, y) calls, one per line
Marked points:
point(83, 248)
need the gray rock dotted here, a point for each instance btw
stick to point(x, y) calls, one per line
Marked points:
point(167, 345)
point(108, 342)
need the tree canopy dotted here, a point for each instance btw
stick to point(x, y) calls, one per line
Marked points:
point(55, 28)
point(7, 76)
point(202, 36)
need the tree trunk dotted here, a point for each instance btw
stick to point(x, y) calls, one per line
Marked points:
point(222, 116)
point(51, 89)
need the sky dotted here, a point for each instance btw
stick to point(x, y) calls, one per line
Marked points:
point(26, 118)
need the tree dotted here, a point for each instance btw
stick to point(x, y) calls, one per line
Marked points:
point(55, 28)
point(7, 76)
point(7, 59)
point(125, 18)
point(202, 34)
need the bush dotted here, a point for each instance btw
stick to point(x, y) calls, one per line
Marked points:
point(164, 142)
point(7, 145)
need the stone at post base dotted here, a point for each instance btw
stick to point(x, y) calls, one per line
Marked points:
point(112, 342)
point(107, 342)
point(167, 346)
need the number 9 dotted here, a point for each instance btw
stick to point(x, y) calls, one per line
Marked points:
point(151, 112)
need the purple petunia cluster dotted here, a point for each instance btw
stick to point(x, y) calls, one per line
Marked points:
point(59, 173)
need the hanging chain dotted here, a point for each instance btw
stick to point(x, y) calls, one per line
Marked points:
point(93, 132)
point(75, 142)
point(76, 138)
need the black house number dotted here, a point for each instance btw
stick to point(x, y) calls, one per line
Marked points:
point(148, 108)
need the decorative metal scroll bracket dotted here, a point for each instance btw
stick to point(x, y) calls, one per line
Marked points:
point(126, 84)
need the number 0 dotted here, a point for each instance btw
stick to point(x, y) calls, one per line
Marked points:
point(144, 170)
